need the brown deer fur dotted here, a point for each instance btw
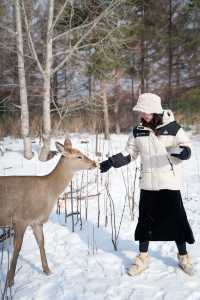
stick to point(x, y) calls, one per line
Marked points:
point(28, 200)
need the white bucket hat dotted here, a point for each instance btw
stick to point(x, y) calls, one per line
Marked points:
point(149, 103)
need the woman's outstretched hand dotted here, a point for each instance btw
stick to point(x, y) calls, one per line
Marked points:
point(118, 160)
point(105, 165)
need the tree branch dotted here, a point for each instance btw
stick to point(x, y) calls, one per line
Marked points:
point(32, 46)
point(58, 16)
point(77, 28)
point(84, 36)
point(8, 30)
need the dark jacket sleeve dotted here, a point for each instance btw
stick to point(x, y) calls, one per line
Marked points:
point(183, 142)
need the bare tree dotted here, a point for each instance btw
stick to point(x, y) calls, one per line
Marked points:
point(47, 86)
point(117, 94)
point(170, 54)
point(80, 35)
point(105, 110)
point(25, 132)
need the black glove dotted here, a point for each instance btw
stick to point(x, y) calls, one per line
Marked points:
point(118, 160)
point(184, 154)
point(105, 165)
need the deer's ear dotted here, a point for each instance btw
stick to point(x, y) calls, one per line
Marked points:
point(60, 147)
point(67, 144)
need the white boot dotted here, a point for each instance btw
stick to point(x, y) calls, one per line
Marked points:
point(141, 263)
point(185, 264)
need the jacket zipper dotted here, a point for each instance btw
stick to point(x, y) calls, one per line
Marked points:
point(171, 164)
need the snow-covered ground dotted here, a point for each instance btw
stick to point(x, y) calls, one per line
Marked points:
point(84, 264)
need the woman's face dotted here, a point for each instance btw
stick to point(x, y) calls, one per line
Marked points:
point(147, 117)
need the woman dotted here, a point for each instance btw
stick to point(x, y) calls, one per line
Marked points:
point(162, 145)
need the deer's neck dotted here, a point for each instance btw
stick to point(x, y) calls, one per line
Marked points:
point(59, 178)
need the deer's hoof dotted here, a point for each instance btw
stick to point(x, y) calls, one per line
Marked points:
point(47, 272)
point(10, 282)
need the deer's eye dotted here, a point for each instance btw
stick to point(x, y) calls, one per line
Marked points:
point(79, 157)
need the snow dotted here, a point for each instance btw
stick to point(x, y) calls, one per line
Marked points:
point(84, 264)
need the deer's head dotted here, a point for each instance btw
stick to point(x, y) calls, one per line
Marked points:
point(75, 159)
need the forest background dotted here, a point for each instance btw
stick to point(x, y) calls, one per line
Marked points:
point(80, 65)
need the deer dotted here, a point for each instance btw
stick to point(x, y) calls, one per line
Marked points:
point(29, 200)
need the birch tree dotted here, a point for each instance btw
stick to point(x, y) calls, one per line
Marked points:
point(105, 110)
point(47, 86)
point(22, 84)
point(75, 39)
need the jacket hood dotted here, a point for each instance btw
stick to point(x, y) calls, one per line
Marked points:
point(168, 117)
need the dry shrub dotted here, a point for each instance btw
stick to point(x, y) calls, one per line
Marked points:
point(10, 126)
point(79, 123)
point(36, 125)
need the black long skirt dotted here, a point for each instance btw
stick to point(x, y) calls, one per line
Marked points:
point(162, 217)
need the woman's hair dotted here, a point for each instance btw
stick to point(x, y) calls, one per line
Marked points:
point(156, 121)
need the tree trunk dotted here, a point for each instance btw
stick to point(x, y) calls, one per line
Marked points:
point(47, 87)
point(134, 114)
point(142, 60)
point(142, 53)
point(170, 55)
point(22, 85)
point(117, 90)
point(105, 110)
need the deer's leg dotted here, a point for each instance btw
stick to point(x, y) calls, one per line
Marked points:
point(19, 230)
point(39, 236)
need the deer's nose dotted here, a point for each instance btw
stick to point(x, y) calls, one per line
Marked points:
point(94, 165)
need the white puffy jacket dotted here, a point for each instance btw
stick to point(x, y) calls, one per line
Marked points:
point(159, 170)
